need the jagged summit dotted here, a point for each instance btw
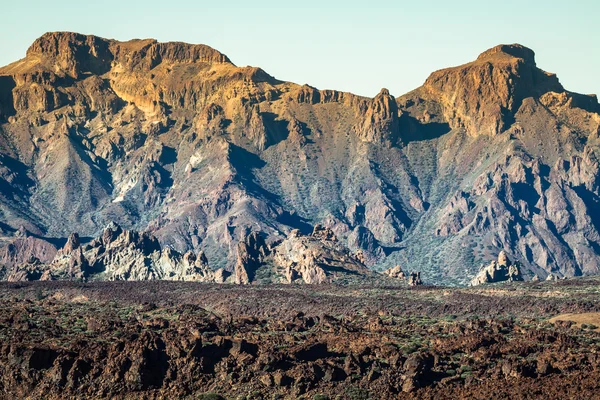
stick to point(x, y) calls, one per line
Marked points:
point(483, 96)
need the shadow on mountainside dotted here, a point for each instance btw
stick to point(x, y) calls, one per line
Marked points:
point(7, 109)
point(411, 130)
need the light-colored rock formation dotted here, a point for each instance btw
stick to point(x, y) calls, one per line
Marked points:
point(119, 254)
point(315, 258)
point(251, 254)
point(312, 259)
point(396, 273)
point(69, 262)
point(500, 270)
point(128, 255)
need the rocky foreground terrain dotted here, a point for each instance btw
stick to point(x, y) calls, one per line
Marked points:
point(159, 339)
point(176, 143)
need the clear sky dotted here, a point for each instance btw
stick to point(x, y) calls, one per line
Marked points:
point(345, 45)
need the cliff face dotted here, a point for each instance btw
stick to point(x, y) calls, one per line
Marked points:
point(175, 139)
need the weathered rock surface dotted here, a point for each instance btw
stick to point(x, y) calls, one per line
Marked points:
point(312, 259)
point(174, 139)
point(25, 248)
point(118, 254)
point(125, 255)
point(499, 271)
point(251, 254)
point(315, 258)
point(396, 273)
point(414, 279)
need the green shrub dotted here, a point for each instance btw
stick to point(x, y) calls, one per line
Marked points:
point(356, 393)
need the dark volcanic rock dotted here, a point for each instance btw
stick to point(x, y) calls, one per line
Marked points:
point(158, 340)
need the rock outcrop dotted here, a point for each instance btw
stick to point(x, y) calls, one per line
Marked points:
point(483, 96)
point(414, 279)
point(26, 248)
point(119, 254)
point(251, 254)
point(312, 259)
point(395, 273)
point(315, 258)
point(70, 263)
point(498, 271)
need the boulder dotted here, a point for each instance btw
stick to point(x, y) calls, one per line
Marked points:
point(395, 272)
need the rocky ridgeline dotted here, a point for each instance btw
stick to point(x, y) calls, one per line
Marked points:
point(174, 139)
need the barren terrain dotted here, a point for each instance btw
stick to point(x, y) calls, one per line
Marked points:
point(193, 340)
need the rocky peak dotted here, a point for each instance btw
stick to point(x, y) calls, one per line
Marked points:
point(73, 53)
point(69, 262)
point(378, 119)
point(250, 255)
point(56, 43)
point(73, 243)
point(126, 255)
point(111, 232)
point(77, 56)
point(147, 54)
point(509, 50)
point(384, 93)
point(483, 96)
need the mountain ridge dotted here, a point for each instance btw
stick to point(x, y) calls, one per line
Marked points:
point(175, 139)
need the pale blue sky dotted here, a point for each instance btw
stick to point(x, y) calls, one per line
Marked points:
point(345, 45)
